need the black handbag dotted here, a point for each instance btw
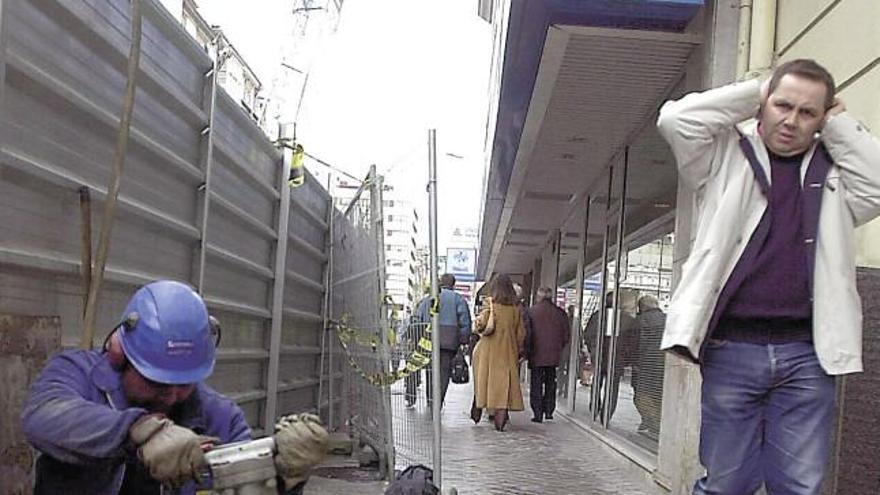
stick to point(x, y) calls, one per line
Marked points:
point(460, 372)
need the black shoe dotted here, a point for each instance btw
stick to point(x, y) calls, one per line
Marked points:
point(548, 416)
point(501, 423)
point(537, 420)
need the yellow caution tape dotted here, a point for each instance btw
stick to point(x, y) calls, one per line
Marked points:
point(297, 174)
point(418, 359)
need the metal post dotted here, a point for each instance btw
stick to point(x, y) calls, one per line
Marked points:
point(208, 150)
point(558, 242)
point(379, 230)
point(278, 286)
point(615, 326)
point(85, 211)
point(435, 292)
point(330, 222)
point(327, 305)
point(577, 321)
point(600, 379)
point(4, 5)
point(660, 268)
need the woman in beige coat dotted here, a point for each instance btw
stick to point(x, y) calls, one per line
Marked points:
point(496, 355)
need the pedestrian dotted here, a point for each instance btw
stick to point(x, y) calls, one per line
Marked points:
point(550, 334)
point(527, 325)
point(627, 338)
point(409, 333)
point(135, 416)
point(455, 330)
point(767, 302)
point(496, 355)
point(650, 363)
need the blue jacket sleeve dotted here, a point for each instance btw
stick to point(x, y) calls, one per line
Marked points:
point(464, 317)
point(238, 427)
point(422, 310)
point(59, 419)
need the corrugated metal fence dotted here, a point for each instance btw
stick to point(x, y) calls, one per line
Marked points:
point(61, 77)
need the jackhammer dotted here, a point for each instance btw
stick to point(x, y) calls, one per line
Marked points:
point(256, 467)
point(242, 468)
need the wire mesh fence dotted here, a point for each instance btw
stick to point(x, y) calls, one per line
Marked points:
point(386, 353)
point(413, 428)
point(360, 323)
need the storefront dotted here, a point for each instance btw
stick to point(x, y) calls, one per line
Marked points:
point(581, 190)
point(581, 193)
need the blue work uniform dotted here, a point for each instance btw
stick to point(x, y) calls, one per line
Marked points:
point(77, 416)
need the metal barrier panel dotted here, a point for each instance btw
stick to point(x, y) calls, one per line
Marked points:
point(61, 80)
point(357, 310)
point(413, 426)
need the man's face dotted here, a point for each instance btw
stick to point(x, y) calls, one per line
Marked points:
point(792, 115)
point(152, 396)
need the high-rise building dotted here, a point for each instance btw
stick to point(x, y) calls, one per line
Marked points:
point(405, 263)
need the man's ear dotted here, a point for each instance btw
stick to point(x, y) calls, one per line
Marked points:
point(113, 348)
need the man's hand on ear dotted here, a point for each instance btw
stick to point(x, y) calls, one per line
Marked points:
point(765, 91)
point(837, 108)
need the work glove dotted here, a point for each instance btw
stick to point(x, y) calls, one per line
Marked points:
point(301, 443)
point(172, 454)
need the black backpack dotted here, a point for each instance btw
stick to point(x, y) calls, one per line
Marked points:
point(414, 480)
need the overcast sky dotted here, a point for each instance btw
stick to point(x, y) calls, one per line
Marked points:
point(392, 70)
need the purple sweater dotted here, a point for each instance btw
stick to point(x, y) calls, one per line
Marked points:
point(772, 301)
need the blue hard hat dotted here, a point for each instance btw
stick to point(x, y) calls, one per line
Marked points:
point(166, 334)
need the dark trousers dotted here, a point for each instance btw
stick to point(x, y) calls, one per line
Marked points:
point(446, 356)
point(767, 415)
point(412, 385)
point(542, 391)
point(602, 381)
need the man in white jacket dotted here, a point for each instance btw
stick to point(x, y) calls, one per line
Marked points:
point(767, 303)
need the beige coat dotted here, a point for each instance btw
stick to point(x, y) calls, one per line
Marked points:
point(701, 129)
point(496, 359)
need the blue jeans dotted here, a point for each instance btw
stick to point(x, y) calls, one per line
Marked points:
point(767, 417)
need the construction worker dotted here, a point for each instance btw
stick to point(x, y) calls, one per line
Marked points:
point(137, 415)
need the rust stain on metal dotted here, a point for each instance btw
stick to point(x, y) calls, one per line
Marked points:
point(26, 342)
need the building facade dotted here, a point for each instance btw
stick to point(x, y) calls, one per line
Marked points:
point(401, 257)
point(235, 76)
point(405, 261)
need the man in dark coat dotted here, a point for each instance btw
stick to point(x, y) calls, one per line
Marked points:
point(550, 334)
point(650, 363)
point(627, 342)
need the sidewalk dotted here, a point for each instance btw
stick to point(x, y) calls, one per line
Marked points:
point(552, 458)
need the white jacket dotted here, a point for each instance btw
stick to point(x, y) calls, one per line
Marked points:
point(701, 128)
